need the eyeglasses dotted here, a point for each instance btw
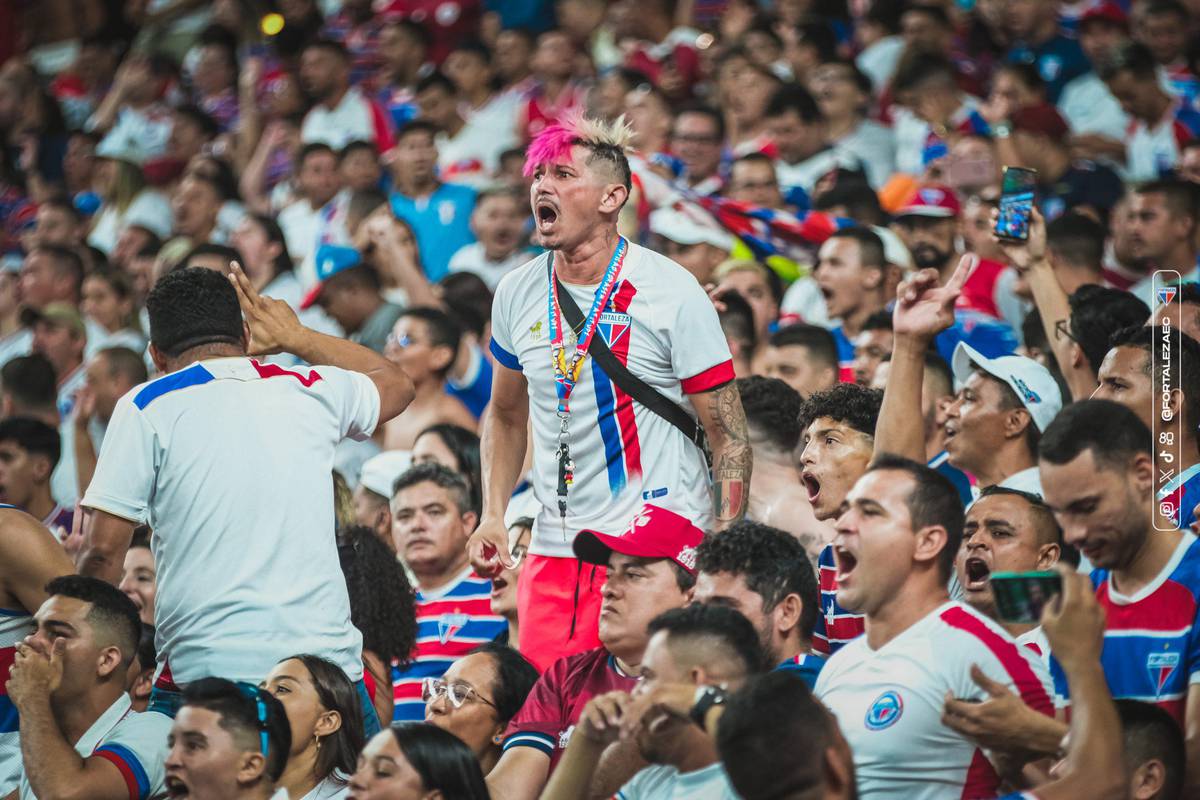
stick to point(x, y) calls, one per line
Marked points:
point(457, 693)
point(400, 341)
point(256, 694)
point(1061, 330)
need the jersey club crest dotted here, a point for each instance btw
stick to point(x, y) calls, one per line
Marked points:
point(450, 624)
point(885, 711)
point(613, 327)
point(1161, 667)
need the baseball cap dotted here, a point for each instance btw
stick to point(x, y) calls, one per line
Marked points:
point(932, 200)
point(654, 533)
point(1107, 11)
point(1042, 119)
point(1034, 385)
point(330, 260)
point(682, 229)
point(121, 148)
point(63, 315)
point(379, 472)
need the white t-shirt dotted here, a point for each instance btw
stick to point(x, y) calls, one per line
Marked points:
point(1151, 152)
point(888, 703)
point(354, 118)
point(17, 343)
point(150, 209)
point(1089, 107)
point(662, 782)
point(664, 326)
point(471, 258)
point(472, 156)
point(328, 789)
point(873, 147)
point(806, 173)
point(136, 743)
point(229, 462)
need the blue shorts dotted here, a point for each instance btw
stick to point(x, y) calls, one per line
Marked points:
point(166, 701)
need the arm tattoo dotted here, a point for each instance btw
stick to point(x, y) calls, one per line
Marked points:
point(732, 459)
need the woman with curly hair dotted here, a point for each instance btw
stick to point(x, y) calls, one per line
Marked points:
point(382, 607)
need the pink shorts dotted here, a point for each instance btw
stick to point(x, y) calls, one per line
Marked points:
point(558, 604)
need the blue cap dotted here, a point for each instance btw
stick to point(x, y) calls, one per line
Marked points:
point(331, 259)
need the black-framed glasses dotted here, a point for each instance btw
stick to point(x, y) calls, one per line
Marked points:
point(457, 693)
point(1062, 329)
point(254, 693)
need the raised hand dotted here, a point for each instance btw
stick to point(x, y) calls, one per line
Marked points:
point(273, 325)
point(601, 718)
point(488, 548)
point(1023, 255)
point(923, 307)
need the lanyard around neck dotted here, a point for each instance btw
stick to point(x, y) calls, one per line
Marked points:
point(566, 373)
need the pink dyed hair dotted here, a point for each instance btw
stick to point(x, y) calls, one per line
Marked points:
point(553, 145)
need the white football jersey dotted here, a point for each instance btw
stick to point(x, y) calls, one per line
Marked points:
point(230, 462)
point(660, 323)
point(888, 703)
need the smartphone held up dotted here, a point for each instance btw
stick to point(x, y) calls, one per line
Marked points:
point(1016, 203)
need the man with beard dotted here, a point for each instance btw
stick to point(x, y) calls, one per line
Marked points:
point(763, 573)
point(928, 226)
point(694, 657)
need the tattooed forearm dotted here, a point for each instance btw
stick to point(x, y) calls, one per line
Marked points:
point(725, 424)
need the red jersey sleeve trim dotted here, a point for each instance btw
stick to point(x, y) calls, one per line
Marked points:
point(1008, 654)
point(710, 379)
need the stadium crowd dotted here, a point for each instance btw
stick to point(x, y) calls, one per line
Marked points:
point(414, 399)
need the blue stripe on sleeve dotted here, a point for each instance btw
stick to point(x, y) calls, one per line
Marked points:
point(504, 357)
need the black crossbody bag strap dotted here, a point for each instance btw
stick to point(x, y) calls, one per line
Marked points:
point(631, 384)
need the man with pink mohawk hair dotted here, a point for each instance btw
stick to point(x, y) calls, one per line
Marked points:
point(598, 455)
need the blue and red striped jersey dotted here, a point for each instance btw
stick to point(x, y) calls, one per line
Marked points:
point(450, 623)
point(1151, 641)
point(836, 626)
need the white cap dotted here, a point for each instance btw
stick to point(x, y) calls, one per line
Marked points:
point(379, 473)
point(894, 251)
point(120, 148)
point(683, 229)
point(1034, 385)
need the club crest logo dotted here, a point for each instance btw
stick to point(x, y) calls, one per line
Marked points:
point(1161, 666)
point(884, 712)
point(1027, 394)
point(564, 737)
point(931, 197)
point(450, 624)
point(1166, 295)
point(613, 327)
point(687, 557)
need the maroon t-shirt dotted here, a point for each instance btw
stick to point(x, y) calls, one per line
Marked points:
point(549, 715)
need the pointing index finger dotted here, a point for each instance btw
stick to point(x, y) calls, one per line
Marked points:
point(966, 265)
